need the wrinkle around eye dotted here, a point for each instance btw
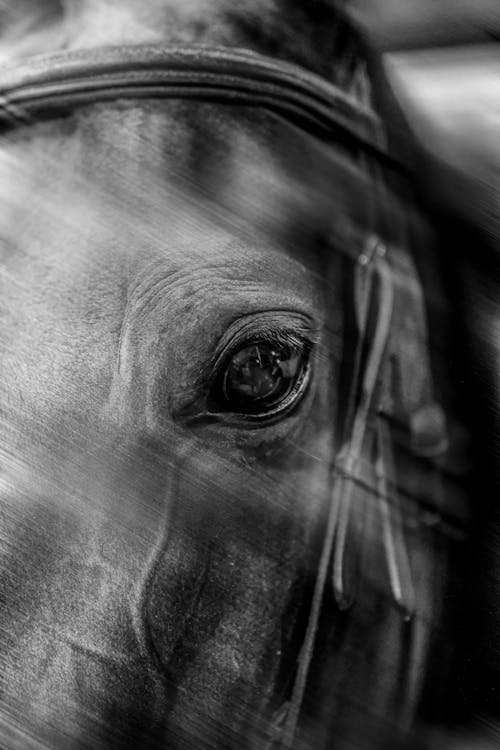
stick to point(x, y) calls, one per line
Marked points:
point(177, 311)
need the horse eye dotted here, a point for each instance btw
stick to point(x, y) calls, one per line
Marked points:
point(262, 379)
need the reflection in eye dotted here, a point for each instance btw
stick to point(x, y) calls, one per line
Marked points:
point(262, 378)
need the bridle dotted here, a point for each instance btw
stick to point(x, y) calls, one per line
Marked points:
point(53, 86)
point(47, 85)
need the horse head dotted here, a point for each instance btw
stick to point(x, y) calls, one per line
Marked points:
point(229, 462)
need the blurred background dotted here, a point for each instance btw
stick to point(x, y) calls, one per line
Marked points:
point(438, 72)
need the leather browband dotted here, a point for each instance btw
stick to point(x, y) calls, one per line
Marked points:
point(48, 85)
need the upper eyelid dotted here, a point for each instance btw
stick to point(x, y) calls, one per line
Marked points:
point(276, 338)
point(268, 324)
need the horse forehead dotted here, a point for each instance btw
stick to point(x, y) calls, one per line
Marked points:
point(43, 26)
point(51, 24)
point(96, 22)
point(213, 21)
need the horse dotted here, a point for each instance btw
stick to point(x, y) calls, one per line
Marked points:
point(233, 492)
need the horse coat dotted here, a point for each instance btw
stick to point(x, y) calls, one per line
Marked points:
point(179, 569)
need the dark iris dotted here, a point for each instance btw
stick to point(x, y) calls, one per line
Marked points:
point(261, 376)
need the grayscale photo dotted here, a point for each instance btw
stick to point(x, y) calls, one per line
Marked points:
point(249, 375)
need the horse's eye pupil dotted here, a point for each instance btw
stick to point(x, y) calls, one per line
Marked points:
point(260, 376)
point(254, 372)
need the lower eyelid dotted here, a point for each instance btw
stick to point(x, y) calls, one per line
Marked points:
point(241, 434)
